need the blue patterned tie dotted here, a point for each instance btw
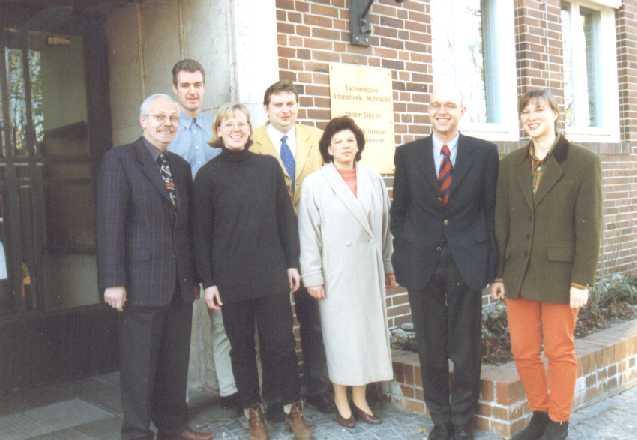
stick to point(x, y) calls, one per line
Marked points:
point(288, 160)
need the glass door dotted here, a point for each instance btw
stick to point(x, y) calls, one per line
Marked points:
point(47, 205)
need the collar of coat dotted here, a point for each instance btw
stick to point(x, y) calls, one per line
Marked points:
point(560, 151)
point(552, 174)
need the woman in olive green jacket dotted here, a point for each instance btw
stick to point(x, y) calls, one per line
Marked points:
point(548, 229)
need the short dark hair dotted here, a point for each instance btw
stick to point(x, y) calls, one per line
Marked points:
point(543, 94)
point(187, 65)
point(334, 126)
point(279, 87)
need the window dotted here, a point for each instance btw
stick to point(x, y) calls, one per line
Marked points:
point(473, 48)
point(590, 71)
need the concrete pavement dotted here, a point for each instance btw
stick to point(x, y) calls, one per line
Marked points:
point(89, 409)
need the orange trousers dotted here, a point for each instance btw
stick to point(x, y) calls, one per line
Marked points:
point(530, 324)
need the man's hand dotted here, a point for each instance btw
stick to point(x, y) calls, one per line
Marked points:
point(390, 280)
point(294, 279)
point(115, 297)
point(212, 298)
point(579, 297)
point(316, 292)
point(498, 290)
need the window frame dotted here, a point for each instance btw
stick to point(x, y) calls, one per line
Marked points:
point(499, 58)
point(607, 84)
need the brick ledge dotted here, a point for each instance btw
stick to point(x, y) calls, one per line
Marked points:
point(606, 364)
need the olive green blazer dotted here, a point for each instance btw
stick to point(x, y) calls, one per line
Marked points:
point(549, 239)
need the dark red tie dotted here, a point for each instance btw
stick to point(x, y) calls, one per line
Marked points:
point(444, 176)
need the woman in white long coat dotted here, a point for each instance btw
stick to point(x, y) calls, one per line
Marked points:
point(345, 263)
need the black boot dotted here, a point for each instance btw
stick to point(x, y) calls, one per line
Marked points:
point(535, 428)
point(441, 431)
point(555, 431)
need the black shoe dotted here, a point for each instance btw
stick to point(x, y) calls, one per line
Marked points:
point(231, 402)
point(462, 433)
point(441, 432)
point(535, 429)
point(274, 412)
point(322, 402)
point(555, 431)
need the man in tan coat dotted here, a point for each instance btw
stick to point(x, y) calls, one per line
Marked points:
point(295, 146)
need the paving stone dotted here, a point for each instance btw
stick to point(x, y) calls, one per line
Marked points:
point(89, 410)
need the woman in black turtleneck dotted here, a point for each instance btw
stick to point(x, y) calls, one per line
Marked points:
point(247, 253)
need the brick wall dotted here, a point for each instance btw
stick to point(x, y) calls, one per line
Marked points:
point(314, 33)
point(311, 34)
point(627, 64)
point(538, 45)
point(619, 180)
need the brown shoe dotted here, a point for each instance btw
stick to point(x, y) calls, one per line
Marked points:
point(297, 424)
point(346, 423)
point(258, 431)
point(367, 418)
point(186, 434)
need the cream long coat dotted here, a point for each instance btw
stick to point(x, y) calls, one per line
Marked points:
point(346, 246)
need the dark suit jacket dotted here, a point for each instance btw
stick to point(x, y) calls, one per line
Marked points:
point(549, 239)
point(420, 223)
point(143, 242)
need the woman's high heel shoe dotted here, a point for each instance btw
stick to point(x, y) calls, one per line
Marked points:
point(347, 423)
point(367, 418)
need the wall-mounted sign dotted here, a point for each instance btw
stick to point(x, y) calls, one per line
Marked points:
point(365, 94)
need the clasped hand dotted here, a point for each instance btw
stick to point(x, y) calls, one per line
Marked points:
point(213, 297)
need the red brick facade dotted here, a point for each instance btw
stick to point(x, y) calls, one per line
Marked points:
point(314, 33)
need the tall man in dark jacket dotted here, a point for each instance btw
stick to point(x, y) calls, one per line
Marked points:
point(146, 270)
point(442, 219)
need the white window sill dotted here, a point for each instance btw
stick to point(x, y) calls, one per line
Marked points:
point(592, 134)
point(492, 132)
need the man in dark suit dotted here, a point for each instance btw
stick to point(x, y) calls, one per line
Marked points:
point(146, 270)
point(442, 219)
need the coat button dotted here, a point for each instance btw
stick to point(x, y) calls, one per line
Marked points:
point(528, 236)
point(445, 222)
point(526, 253)
point(438, 248)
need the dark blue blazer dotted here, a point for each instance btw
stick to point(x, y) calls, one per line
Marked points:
point(144, 243)
point(420, 224)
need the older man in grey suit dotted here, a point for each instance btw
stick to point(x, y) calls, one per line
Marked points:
point(146, 270)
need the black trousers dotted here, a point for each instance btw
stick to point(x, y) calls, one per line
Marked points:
point(154, 346)
point(447, 322)
point(315, 376)
point(273, 317)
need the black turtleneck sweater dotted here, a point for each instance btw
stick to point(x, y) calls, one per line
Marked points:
point(245, 229)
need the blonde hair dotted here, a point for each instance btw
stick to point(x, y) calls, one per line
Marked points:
point(226, 111)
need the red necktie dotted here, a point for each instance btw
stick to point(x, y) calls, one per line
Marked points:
point(444, 176)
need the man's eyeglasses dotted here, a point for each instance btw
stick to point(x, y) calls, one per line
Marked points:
point(162, 118)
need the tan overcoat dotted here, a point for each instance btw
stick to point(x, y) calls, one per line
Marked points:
point(308, 157)
point(549, 239)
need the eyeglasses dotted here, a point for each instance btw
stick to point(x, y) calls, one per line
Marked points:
point(228, 126)
point(162, 118)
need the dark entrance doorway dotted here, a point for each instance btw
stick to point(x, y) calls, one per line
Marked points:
point(54, 126)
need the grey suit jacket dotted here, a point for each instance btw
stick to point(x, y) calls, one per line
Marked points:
point(144, 243)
